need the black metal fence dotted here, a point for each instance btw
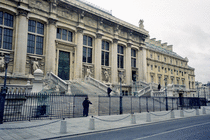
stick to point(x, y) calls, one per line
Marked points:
point(32, 106)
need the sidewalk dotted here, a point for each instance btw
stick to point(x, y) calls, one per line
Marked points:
point(43, 129)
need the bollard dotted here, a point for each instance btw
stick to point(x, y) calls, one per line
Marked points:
point(91, 124)
point(172, 114)
point(197, 112)
point(181, 113)
point(133, 119)
point(63, 127)
point(148, 117)
point(204, 110)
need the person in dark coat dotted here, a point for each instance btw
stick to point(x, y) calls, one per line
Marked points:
point(85, 104)
point(109, 90)
point(159, 87)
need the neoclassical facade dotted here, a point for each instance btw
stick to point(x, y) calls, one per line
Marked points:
point(74, 39)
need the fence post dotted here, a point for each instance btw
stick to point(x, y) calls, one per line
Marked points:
point(131, 104)
point(204, 110)
point(98, 105)
point(139, 104)
point(73, 104)
point(148, 117)
point(147, 103)
point(63, 126)
point(109, 105)
point(153, 105)
point(91, 124)
point(160, 103)
point(133, 119)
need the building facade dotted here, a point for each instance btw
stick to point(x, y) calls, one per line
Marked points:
point(74, 39)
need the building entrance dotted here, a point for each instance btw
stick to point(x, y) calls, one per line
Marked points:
point(64, 65)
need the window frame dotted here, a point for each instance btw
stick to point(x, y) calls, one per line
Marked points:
point(133, 58)
point(105, 51)
point(120, 56)
point(86, 48)
point(9, 29)
point(36, 37)
point(67, 34)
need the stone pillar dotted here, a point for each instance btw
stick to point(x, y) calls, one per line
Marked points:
point(143, 68)
point(21, 48)
point(79, 54)
point(50, 47)
point(97, 57)
point(114, 73)
point(128, 74)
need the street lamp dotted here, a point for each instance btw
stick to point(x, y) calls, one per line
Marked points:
point(4, 89)
point(121, 108)
point(166, 98)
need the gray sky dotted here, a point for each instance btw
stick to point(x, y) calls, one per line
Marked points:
point(185, 24)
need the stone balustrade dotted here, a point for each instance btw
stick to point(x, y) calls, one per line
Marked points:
point(15, 88)
point(96, 83)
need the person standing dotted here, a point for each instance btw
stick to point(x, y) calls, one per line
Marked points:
point(159, 87)
point(85, 104)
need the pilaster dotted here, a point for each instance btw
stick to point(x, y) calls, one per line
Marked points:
point(128, 64)
point(114, 73)
point(97, 56)
point(79, 53)
point(21, 48)
point(143, 63)
point(50, 47)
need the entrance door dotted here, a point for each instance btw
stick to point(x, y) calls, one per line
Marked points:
point(63, 65)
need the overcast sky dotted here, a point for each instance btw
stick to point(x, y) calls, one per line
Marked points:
point(185, 24)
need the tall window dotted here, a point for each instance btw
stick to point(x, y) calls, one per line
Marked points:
point(151, 67)
point(64, 34)
point(172, 81)
point(105, 53)
point(120, 56)
point(158, 57)
point(133, 58)
point(6, 30)
point(158, 68)
point(164, 59)
point(35, 37)
point(87, 49)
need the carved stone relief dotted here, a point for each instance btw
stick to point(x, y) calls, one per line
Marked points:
point(89, 21)
point(39, 5)
point(122, 76)
point(87, 71)
point(106, 75)
point(123, 33)
point(108, 28)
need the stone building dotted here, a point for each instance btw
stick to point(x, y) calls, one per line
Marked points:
point(74, 39)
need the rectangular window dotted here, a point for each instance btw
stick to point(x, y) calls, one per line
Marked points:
point(7, 40)
point(64, 34)
point(120, 57)
point(133, 58)
point(59, 33)
point(6, 31)
point(158, 68)
point(87, 49)
point(105, 53)
point(69, 36)
point(31, 43)
point(8, 20)
point(35, 37)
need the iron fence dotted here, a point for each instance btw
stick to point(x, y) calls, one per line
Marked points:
point(32, 106)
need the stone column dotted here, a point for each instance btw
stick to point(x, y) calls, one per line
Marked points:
point(79, 54)
point(97, 57)
point(128, 74)
point(143, 68)
point(50, 47)
point(21, 48)
point(114, 73)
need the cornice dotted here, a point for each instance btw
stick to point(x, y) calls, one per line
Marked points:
point(109, 17)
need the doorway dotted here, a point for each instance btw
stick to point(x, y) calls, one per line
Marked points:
point(64, 65)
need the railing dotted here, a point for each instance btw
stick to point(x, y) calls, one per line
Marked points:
point(33, 106)
point(58, 81)
point(143, 91)
point(15, 88)
point(96, 83)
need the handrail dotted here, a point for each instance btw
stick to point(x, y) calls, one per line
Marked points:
point(96, 83)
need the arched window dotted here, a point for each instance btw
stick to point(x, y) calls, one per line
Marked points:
point(35, 37)
point(133, 58)
point(6, 30)
point(64, 34)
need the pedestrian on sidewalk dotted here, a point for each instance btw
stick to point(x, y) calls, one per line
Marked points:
point(85, 104)
point(159, 87)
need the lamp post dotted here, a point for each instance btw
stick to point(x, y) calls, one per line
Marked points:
point(121, 108)
point(3, 90)
point(166, 98)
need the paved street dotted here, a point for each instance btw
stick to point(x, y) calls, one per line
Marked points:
point(193, 128)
